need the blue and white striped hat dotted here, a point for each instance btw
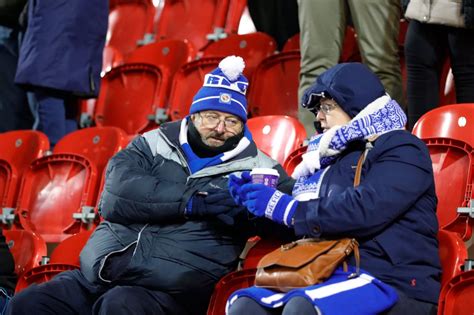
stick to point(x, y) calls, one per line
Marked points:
point(224, 89)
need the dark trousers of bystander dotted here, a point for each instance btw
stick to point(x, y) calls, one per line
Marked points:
point(426, 48)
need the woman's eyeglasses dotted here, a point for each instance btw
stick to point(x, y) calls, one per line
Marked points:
point(324, 107)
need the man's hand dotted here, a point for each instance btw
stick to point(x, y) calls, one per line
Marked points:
point(213, 203)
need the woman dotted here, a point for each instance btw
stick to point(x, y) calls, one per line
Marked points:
point(391, 213)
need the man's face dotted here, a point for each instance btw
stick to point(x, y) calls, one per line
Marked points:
point(216, 127)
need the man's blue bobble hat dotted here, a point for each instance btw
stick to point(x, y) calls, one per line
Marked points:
point(224, 89)
point(352, 85)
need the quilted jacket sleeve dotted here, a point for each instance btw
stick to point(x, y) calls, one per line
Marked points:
point(141, 188)
point(398, 183)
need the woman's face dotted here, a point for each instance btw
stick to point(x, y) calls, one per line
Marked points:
point(329, 114)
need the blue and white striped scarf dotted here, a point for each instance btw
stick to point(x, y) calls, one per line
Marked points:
point(197, 163)
point(379, 117)
point(338, 295)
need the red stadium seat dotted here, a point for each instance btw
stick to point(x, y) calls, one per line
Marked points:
point(130, 97)
point(97, 144)
point(226, 286)
point(129, 22)
point(456, 297)
point(54, 188)
point(59, 192)
point(198, 19)
point(187, 81)
point(274, 87)
point(447, 131)
point(168, 55)
point(452, 253)
point(111, 58)
point(294, 159)
point(252, 47)
point(293, 43)
point(277, 136)
point(171, 53)
point(64, 257)
point(27, 249)
point(18, 150)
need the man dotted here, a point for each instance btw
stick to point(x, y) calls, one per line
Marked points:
point(171, 228)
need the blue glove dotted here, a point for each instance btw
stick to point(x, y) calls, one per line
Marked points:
point(235, 183)
point(213, 203)
point(266, 201)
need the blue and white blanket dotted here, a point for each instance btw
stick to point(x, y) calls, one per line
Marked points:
point(363, 295)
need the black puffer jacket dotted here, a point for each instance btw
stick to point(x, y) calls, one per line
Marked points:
point(146, 189)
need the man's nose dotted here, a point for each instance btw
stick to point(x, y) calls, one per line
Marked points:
point(220, 126)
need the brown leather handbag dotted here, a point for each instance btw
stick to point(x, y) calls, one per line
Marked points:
point(309, 261)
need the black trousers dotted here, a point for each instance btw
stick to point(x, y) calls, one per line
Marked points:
point(426, 48)
point(70, 293)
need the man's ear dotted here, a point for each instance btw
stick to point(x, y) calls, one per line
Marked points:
point(193, 117)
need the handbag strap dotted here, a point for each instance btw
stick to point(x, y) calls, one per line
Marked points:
point(357, 176)
point(360, 163)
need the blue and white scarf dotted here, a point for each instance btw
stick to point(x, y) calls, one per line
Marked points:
point(197, 163)
point(379, 117)
point(338, 295)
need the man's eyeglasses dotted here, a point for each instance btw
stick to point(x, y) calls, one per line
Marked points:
point(212, 120)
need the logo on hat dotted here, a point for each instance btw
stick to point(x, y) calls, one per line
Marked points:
point(225, 98)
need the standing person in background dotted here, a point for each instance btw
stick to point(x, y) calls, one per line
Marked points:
point(277, 18)
point(14, 111)
point(322, 27)
point(61, 59)
point(438, 29)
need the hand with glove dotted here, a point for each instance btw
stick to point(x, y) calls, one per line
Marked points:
point(266, 201)
point(235, 184)
point(213, 203)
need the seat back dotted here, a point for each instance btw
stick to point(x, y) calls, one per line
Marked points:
point(18, 149)
point(68, 251)
point(226, 286)
point(455, 121)
point(129, 22)
point(456, 295)
point(187, 81)
point(27, 249)
point(169, 53)
point(97, 144)
point(447, 131)
point(294, 159)
point(53, 189)
point(252, 47)
point(197, 19)
point(111, 57)
point(452, 253)
point(277, 136)
point(130, 96)
point(274, 88)
point(64, 257)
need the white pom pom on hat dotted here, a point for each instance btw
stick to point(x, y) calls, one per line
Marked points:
point(232, 67)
